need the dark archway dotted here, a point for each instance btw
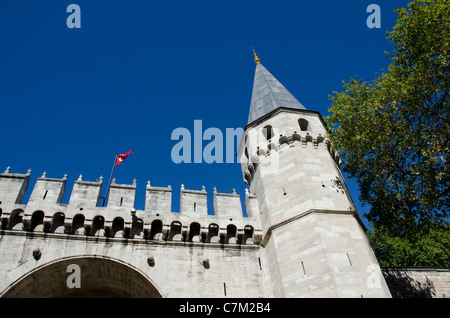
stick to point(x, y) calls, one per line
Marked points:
point(99, 278)
point(304, 124)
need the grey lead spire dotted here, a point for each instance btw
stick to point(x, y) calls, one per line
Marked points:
point(268, 94)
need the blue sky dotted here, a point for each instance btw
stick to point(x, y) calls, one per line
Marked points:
point(136, 70)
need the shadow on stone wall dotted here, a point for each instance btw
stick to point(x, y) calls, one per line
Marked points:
point(403, 285)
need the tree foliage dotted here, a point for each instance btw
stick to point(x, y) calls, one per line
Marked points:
point(428, 248)
point(393, 133)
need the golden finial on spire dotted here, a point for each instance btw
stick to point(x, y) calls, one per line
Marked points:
point(257, 60)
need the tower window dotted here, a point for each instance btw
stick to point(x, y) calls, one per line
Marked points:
point(268, 132)
point(304, 125)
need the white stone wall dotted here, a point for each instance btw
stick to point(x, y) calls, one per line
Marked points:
point(193, 202)
point(325, 255)
point(178, 243)
point(178, 269)
point(419, 282)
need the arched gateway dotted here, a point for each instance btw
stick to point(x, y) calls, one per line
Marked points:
point(99, 277)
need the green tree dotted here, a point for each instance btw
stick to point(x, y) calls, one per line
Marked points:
point(429, 248)
point(393, 133)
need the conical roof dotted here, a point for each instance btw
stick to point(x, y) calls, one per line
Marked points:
point(269, 94)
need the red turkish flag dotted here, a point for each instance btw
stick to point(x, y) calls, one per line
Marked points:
point(121, 158)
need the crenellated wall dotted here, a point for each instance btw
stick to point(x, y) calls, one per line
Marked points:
point(265, 141)
point(122, 251)
point(86, 215)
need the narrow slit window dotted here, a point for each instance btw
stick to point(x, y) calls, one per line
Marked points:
point(195, 207)
point(303, 266)
point(45, 194)
point(121, 201)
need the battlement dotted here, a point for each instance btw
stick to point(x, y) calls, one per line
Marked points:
point(287, 130)
point(84, 215)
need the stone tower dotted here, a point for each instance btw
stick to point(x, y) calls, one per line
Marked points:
point(313, 242)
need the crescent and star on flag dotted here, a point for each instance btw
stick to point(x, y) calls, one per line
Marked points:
point(120, 158)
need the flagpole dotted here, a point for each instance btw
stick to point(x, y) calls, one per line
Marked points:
point(109, 182)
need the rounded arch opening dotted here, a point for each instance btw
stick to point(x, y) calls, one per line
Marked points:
point(15, 220)
point(117, 226)
point(283, 140)
point(57, 225)
point(320, 139)
point(194, 232)
point(78, 224)
point(98, 223)
point(231, 234)
point(248, 234)
point(156, 230)
point(137, 228)
point(304, 124)
point(268, 132)
point(97, 277)
point(213, 233)
point(37, 218)
point(175, 231)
